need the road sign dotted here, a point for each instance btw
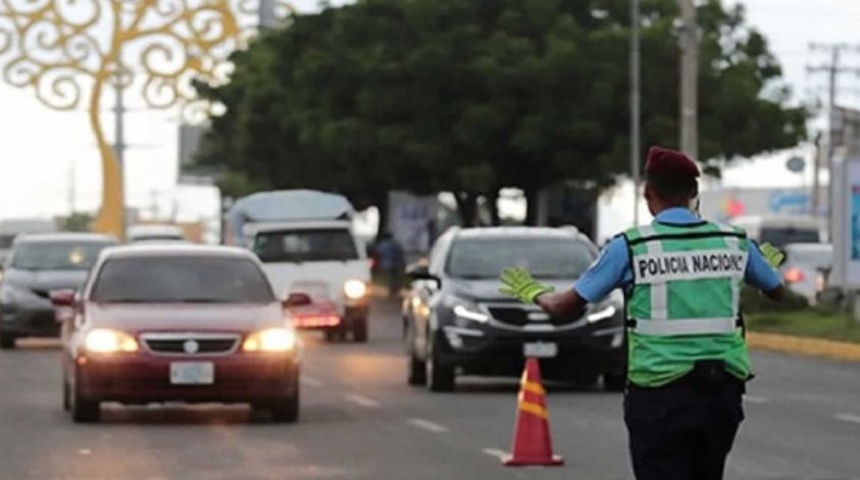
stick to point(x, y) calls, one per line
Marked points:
point(795, 164)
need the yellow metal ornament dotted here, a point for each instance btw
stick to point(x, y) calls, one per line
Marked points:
point(59, 48)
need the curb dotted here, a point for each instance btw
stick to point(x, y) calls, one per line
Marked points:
point(813, 347)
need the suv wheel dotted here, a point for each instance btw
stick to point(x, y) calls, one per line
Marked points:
point(417, 371)
point(440, 378)
point(614, 382)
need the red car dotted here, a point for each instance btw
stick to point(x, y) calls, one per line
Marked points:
point(178, 323)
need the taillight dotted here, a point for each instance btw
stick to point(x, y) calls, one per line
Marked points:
point(794, 275)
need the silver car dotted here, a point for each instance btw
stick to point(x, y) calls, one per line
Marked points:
point(37, 265)
point(804, 266)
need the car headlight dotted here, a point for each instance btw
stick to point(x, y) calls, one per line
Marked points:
point(601, 314)
point(270, 340)
point(354, 289)
point(103, 340)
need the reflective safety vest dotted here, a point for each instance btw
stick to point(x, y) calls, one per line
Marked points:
point(684, 302)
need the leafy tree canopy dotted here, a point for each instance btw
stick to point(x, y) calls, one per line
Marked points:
point(467, 96)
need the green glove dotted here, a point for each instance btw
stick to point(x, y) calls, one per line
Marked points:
point(518, 282)
point(772, 255)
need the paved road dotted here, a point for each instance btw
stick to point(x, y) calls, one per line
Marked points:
point(359, 420)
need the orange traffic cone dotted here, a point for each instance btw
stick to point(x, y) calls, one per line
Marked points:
point(532, 443)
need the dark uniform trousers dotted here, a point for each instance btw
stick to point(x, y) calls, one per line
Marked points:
point(684, 430)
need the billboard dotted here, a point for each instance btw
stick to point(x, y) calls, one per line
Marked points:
point(412, 220)
point(725, 204)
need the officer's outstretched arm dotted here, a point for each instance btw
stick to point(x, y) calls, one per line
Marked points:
point(563, 304)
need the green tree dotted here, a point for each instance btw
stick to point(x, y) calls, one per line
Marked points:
point(76, 222)
point(469, 97)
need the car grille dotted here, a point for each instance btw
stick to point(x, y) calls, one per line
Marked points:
point(190, 344)
point(518, 316)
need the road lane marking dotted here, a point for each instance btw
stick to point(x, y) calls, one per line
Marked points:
point(754, 399)
point(427, 425)
point(495, 452)
point(84, 451)
point(313, 382)
point(361, 400)
point(848, 417)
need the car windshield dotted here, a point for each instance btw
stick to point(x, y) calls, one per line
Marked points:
point(181, 279)
point(59, 255)
point(781, 236)
point(311, 245)
point(485, 258)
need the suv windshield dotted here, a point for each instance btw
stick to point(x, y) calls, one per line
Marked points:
point(174, 279)
point(311, 245)
point(59, 255)
point(485, 258)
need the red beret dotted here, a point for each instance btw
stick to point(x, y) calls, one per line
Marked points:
point(670, 162)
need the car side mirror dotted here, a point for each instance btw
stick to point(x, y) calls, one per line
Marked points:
point(297, 300)
point(419, 271)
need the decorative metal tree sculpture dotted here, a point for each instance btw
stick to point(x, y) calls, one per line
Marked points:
point(70, 51)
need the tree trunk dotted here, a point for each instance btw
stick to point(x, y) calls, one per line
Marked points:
point(493, 205)
point(532, 206)
point(380, 201)
point(467, 207)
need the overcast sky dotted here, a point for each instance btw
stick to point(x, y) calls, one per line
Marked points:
point(42, 150)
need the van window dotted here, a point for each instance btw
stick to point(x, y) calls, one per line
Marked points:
point(307, 245)
point(782, 236)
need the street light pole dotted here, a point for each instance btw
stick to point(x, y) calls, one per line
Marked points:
point(635, 147)
point(689, 79)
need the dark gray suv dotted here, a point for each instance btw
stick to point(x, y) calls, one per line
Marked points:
point(456, 321)
point(38, 264)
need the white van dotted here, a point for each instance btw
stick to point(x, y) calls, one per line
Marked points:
point(306, 242)
point(781, 230)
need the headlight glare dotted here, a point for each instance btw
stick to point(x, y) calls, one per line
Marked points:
point(354, 289)
point(270, 340)
point(103, 340)
point(602, 314)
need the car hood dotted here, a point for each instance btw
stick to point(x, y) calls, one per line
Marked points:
point(45, 279)
point(488, 290)
point(172, 317)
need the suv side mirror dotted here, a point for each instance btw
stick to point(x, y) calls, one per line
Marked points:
point(62, 298)
point(419, 271)
point(297, 300)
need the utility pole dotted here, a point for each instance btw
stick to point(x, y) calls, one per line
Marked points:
point(635, 116)
point(833, 69)
point(119, 145)
point(689, 42)
point(72, 193)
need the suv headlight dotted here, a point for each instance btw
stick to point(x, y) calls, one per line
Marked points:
point(602, 313)
point(103, 340)
point(270, 340)
point(466, 310)
point(354, 289)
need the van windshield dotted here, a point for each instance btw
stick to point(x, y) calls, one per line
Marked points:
point(782, 236)
point(306, 245)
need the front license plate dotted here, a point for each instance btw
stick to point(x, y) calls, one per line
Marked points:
point(192, 373)
point(540, 350)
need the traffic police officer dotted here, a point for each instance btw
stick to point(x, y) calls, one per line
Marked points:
point(687, 358)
